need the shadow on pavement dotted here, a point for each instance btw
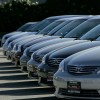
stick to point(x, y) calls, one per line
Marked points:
point(19, 84)
point(9, 67)
point(42, 98)
point(25, 92)
point(10, 72)
point(2, 56)
point(6, 64)
point(14, 77)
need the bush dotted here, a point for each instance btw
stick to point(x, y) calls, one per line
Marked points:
point(14, 14)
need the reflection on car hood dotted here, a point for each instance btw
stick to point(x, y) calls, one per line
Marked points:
point(67, 51)
point(47, 43)
point(56, 47)
point(89, 57)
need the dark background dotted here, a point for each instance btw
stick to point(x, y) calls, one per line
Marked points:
point(14, 14)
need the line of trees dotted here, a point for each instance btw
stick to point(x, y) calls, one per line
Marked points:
point(14, 14)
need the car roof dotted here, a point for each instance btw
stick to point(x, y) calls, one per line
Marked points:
point(74, 18)
point(95, 17)
point(63, 16)
point(31, 22)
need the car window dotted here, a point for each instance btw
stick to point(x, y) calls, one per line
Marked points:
point(30, 27)
point(82, 29)
point(53, 31)
point(24, 27)
point(41, 25)
point(92, 34)
point(67, 28)
point(50, 27)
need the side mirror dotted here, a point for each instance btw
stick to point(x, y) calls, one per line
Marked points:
point(62, 35)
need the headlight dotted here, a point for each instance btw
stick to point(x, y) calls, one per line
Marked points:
point(98, 72)
point(19, 48)
point(26, 52)
point(4, 39)
point(14, 47)
point(33, 55)
point(44, 59)
point(5, 44)
point(61, 66)
point(9, 46)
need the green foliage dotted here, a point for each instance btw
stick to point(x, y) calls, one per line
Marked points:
point(14, 14)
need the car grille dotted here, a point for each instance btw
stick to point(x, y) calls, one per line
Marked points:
point(82, 69)
point(38, 58)
point(83, 93)
point(54, 62)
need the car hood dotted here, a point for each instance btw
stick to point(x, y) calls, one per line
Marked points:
point(48, 42)
point(57, 46)
point(67, 51)
point(39, 40)
point(10, 34)
point(89, 57)
point(21, 40)
point(18, 35)
point(24, 38)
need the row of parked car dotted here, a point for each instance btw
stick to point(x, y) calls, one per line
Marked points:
point(61, 51)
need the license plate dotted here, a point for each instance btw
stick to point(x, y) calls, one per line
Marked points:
point(73, 87)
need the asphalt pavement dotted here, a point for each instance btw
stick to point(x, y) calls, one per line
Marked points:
point(15, 85)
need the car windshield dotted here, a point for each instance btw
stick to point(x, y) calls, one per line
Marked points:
point(41, 25)
point(67, 28)
point(92, 34)
point(24, 27)
point(53, 31)
point(31, 26)
point(46, 30)
point(98, 39)
point(82, 29)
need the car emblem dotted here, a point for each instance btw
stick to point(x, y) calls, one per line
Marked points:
point(55, 61)
point(78, 69)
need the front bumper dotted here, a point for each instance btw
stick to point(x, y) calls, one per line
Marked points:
point(12, 54)
point(8, 55)
point(45, 71)
point(5, 47)
point(45, 78)
point(45, 74)
point(23, 63)
point(32, 68)
point(90, 86)
point(17, 56)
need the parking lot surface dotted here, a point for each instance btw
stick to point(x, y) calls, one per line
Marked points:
point(14, 85)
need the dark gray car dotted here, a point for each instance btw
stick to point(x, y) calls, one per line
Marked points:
point(78, 76)
point(63, 31)
point(52, 61)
